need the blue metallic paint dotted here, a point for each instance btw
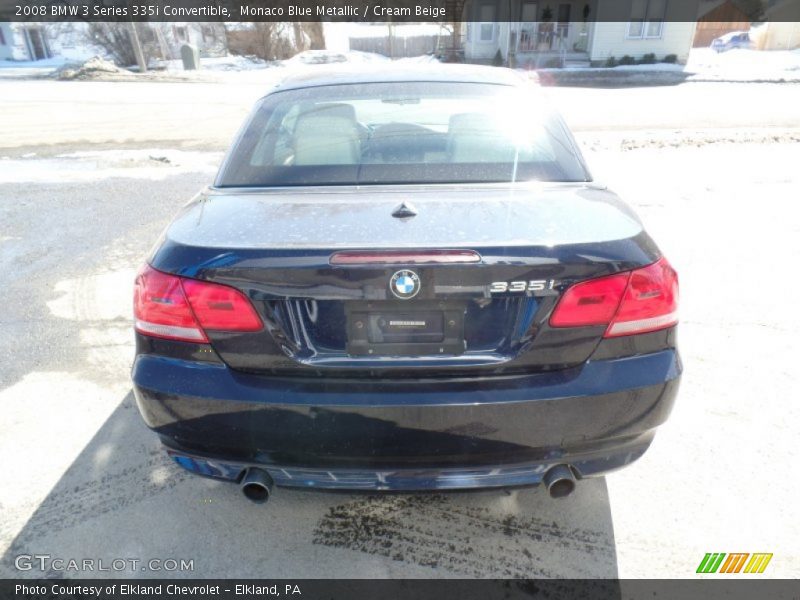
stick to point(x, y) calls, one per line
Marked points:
point(404, 435)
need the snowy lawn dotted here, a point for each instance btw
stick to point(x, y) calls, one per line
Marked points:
point(706, 65)
point(745, 65)
point(703, 65)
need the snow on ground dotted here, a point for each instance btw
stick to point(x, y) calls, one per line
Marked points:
point(25, 69)
point(151, 164)
point(703, 65)
point(706, 65)
point(324, 57)
point(420, 60)
point(47, 63)
point(745, 65)
point(230, 62)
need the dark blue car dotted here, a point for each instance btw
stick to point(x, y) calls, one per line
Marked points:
point(405, 280)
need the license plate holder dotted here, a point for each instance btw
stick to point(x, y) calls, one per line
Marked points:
point(404, 329)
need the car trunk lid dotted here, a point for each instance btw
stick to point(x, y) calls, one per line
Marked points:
point(279, 246)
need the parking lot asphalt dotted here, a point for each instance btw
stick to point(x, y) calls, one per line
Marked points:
point(83, 478)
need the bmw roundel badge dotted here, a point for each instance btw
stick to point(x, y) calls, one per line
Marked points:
point(404, 284)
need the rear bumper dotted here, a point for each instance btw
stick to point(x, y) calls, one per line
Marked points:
point(407, 434)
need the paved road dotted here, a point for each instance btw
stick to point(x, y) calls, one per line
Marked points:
point(83, 478)
point(37, 113)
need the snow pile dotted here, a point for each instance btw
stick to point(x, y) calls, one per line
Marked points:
point(745, 65)
point(704, 64)
point(29, 69)
point(151, 164)
point(418, 60)
point(234, 63)
point(94, 68)
point(46, 63)
point(326, 57)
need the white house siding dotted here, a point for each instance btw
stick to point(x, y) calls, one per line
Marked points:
point(782, 29)
point(611, 39)
point(6, 50)
point(14, 47)
point(69, 41)
point(477, 50)
point(779, 35)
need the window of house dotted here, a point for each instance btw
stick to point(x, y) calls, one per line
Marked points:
point(2, 38)
point(181, 34)
point(209, 35)
point(486, 25)
point(647, 19)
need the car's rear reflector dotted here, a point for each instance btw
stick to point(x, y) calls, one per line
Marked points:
point(176, 308)
point(404, 257)
point(171, 332)
point(632, 302)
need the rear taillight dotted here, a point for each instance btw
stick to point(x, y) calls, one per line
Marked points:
point(650, 301)
point(160, 308)
point(592, 302)
point(175, 308)
point(221, 308)
point(632, 302)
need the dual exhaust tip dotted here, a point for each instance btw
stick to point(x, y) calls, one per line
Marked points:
point(257, 484)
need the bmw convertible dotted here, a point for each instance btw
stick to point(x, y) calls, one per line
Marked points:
point(405, 280)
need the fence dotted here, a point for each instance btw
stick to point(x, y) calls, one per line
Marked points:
point(397, 46)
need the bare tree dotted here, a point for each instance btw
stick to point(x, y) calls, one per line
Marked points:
point(115, 40)
point(275, 41)
point(308, 36)
point(272, 40)
point(316, 35)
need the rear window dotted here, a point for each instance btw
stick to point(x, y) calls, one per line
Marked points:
point(382, 133)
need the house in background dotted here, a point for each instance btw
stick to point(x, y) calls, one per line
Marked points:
point(716, 20)
point(576, 32)
point(37, 41)
point(24, 41)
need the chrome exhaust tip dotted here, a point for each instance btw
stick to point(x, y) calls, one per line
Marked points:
point(257, 485)
point(559, 481)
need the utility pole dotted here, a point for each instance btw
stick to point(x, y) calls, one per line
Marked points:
point(137, 47)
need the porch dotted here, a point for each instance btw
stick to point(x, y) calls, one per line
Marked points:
point(529, 34)
point(537, 44)
point(549, 60)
